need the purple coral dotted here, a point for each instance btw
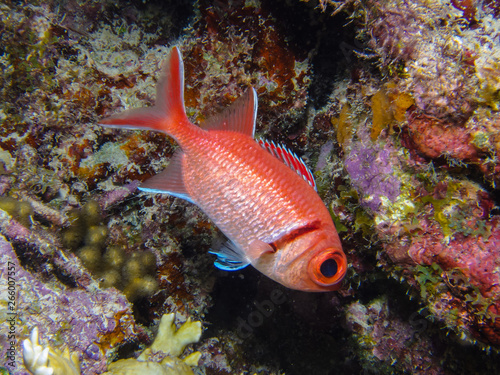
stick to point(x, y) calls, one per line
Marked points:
point(89, 323)
point(371, 173)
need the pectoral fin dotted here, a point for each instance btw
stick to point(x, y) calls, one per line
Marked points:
point(230, 257)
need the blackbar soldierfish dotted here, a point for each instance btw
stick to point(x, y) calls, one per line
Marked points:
point(258, 194)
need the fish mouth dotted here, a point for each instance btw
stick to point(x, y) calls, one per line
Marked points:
point(328, 267)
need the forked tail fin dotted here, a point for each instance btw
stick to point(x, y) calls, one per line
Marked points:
point(168, 114)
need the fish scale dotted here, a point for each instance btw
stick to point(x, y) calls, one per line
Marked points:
point(209, 190)
point(261, 195)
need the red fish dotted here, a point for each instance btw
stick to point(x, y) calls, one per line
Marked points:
point(259, 195)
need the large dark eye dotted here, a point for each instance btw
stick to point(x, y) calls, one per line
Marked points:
point(329, 268)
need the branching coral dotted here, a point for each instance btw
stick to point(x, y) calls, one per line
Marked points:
point(162, 357)
point(172, 341)
point(47, 361)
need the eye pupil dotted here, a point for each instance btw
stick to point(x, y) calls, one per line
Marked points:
point(329, 268)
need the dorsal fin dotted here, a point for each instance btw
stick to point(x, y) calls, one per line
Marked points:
point(239, 117)
point(290, 159)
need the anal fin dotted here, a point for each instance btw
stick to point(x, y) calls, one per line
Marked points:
point(170, 180)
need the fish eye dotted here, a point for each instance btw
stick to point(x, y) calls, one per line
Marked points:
point(328, 267)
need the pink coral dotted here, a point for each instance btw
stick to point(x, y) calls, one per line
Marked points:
point(434, 138)
point(472, 260)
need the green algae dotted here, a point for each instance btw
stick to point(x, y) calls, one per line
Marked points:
point(429, 278)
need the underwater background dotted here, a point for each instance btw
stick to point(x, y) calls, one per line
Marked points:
point(394, 105)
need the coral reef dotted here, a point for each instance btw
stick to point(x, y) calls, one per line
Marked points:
point(39, 360)
point(393, 104)
point(238, 45)
point(451, 70)
point(134, 273)
point(434, 139)
point(89, 322)
point(386, 339)
point(439, 220)
point(468, 267)
point(437, 75)
point(371, 172)
point(162, 356)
